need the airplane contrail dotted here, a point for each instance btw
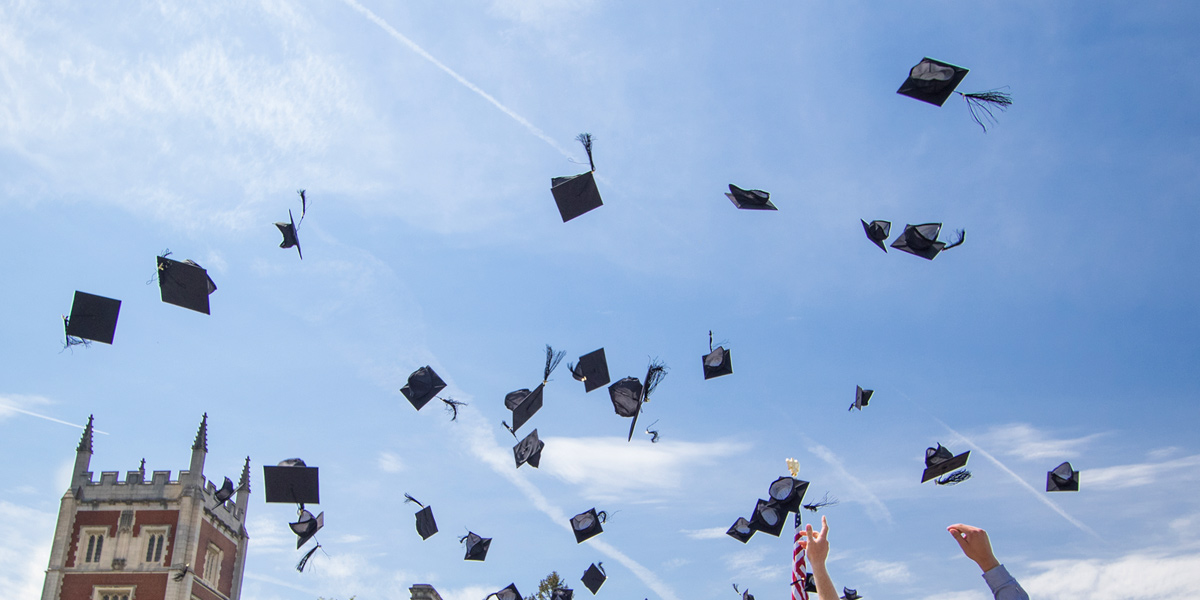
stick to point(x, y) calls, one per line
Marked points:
point(876, 507)
point(459, 78)
point(7, 406)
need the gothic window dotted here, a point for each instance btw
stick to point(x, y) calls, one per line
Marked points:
point(212, 565)
point(156, 539)
point(91, 544)
point(113, 593)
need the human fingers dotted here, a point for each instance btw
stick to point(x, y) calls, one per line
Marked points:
point(958, 537)
point(824, 528)
point(808, 531)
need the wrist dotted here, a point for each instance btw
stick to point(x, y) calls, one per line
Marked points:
point(988, 564)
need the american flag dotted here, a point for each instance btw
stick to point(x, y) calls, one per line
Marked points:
point(799, 568)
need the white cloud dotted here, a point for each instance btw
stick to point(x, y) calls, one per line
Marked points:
point(1134, 576)
point(610, 468)
point(712, 533)
point(25, 551)
point(751, 563)
point(390, 462)
point(473, 592)
point(541, 12)
point(1136, 475)
point(963, 595)
point(876, 510)
point(885, 572)
point(1021, 440)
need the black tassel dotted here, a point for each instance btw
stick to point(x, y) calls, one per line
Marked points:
point(154, 278)
point(600, 566)
point(710, 348)
point(463, 538)
point(654, 375)
point(452, 406)
point(602, 516)
point(955, 478)
point(304, 561)
point(825, 501)
point(981, 104)
point(960, 236)
point(586, 140)
point(652, 432)
point(552, 360)
point(72, 340)
point(408, 499)
point(303, 206)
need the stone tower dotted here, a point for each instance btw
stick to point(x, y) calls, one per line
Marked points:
point(148, 539)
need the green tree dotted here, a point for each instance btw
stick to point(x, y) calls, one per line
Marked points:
point(547, 586)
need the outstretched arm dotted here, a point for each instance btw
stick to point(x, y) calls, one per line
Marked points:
point(816, 547)
point(976, 545)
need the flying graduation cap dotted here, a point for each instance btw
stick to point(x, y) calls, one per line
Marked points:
point(289, 229)
point(524, 403)
point(92, 318)
point(1062, 479)
point(292, 482)
point(594, 577)
point(933, 81)
point(745, 593)
point(562, 593)
point(184, 284)
point(306, 527)
point(426, 526)
point(476, 546)
point(921, 240)
point(940, 461)
point(877, 232)
point(424, 385)
point(226, 491)
point(750, 199)
point(508, 593)
point(586, 524)
point(628, 395)
point(861, 398)
point(741, 530)
point(849, 594)
point(592, 370)
point(768, 517)
point(787, 493)
point(577, 194)
point(717, 362)
point(529, 450)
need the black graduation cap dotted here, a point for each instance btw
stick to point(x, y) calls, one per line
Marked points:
point(628, 395)
point(226, 491)
point(508, 593)
point(477, 547)
point(562, 594)
point(861, 398)
point(423, 385)
point(810, 584)
point(717, 362)
point(939, 461)
point(933, 81)
point(529, 450)
point(426, 526)
point(586, 524)
point(1062, 479)
point(306, 527)
point(290, 237)
point(921, 240)
point(822, 503)
point(594, 577)
point(877, 232)
point(292, 482)
point(788, 492)
point(524, 403)
point(768, 517)
point(184, 284)
point(849, 594)
point(92, 318)
point(592, 370)
point(750, 199)
point(745, 593)
point(741, 530)
point(577, 194)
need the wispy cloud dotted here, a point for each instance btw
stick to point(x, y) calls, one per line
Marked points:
point(1136, 475)
point(711, 533)
point(611, 468)
point(25, 551)
point(1021, 440)
point(885, 572)
point(876, 510)
point(751, 563)
point(390, 462)
point(1137, 575)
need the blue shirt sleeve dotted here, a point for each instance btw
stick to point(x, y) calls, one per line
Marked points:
point(1004, 587)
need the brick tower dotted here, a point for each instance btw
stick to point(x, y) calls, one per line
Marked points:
point(155, 539)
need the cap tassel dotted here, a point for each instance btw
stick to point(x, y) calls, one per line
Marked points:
point(304, 561)
point(72, 340)
point(955, 478)
point(654, 375)
point(653, 433)
point(552, 360)
point(408, 499)
point(960, 236)
point(981, 104)
point(154, 278)
point(586, 140)
point(825, 501)
point(452, 406)
point(510, 429)
point(303, 206)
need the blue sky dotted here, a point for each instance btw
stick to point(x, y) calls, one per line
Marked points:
point(1064, 329)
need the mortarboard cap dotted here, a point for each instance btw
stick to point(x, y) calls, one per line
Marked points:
point(477, 547)
point(93, 318)
point(226, 491)
point(939, 461)
point(290, 237)
point(787, 493)
point(508, 593)
point(810, 584)
point(292, 483)
point(861, 398)
point(592, 370)
point(741, 530)
point(626, 396)
point(594, 577)
point(586, 525)
point(426, 525)
point(562, 594)
point(921, 240)
point(717, 363)
point(750, 199)
point(526, 407)
point(932, 81)
point(529, 450)
point(768, 518)
point(306, 527)
point(423, 384)
point(184, 284)
point(577, 194)
point(849, 594)
point(1062, 479)
point(877, 232)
